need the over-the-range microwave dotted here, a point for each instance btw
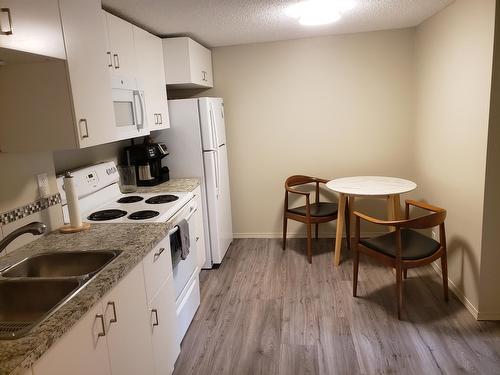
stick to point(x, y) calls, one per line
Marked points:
point(128, 104)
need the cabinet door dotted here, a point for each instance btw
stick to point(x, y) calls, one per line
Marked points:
point(81, 351)
point(127, 322)
point(200, 232)
point(32, 26)
point(201, 64)
point(88, 71)
point(163, 328)
point(121, 40)
point(151, 76)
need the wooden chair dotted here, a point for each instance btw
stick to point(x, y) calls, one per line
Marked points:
point(315, 213)
point(404, 248)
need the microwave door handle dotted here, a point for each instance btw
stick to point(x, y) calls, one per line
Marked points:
point(140, 125)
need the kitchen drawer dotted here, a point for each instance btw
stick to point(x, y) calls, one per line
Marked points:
point(157, 267)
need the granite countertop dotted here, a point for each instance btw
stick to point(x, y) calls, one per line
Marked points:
point(135, 240)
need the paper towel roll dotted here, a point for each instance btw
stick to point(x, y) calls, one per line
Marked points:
point(75, 219)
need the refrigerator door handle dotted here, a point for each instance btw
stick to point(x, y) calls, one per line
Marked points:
point(215, 137)
point(217, 174)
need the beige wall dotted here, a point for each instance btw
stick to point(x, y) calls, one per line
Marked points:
point(328, 106)
point(489, 302)
point(18, 177)
point(453, 76)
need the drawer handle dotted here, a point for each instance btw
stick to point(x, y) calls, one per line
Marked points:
point(9, 16)
point(156, 322)
point(157, 255)
point(115, 319)
point(103, 330)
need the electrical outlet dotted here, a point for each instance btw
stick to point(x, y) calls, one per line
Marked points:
point(43, 185)
point(435, 235)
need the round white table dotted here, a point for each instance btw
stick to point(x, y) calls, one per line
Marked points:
point(367, 186)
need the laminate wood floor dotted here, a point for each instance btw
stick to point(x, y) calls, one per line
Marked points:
point(265, 311)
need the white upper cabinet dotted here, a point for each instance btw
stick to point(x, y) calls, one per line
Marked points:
point(151, 73)
point(187, 63)
point(32, 26)
point(121, 46)
point(88, 72)
point(52, 104)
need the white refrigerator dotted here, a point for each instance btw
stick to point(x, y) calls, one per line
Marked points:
point(196, 141)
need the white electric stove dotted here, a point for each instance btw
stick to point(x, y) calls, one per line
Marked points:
point(101, 201)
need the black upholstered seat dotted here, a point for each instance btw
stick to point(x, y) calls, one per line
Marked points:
point(414, 245)
point(318, 210)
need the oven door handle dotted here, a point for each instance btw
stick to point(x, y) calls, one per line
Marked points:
point(176, 228)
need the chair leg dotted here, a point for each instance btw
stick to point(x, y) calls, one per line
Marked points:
point(444, 272)
point(355, 268)
point(316, 230)
point(405, 273)
point(309, 250)
point(285, 221)
point(399, 289)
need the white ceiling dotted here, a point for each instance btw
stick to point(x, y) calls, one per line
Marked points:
point(228, 22)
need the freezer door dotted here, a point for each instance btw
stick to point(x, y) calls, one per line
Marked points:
point(218, 203)
point(207, 124)
point(217, 105)
point(213, 132)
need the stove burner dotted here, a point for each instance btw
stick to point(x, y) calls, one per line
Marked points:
point(141, 215)
point(130, 199)
point(106, 215)
point(158, 199)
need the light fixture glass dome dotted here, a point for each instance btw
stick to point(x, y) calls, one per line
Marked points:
point(318, 12)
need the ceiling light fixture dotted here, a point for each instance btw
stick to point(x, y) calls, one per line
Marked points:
point(318, 12)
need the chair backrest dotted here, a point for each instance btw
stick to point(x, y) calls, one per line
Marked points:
point(426, 221)
point(301, 180)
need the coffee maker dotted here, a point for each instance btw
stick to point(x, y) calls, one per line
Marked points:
point(147, 161)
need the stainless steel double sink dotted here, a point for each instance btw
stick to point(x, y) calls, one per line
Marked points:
point(34, 288)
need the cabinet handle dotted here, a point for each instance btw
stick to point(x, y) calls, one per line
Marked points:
point(9, 16)
point(116, 60)
point(112, 304)
point(110, 63)
point(156, 118)
point(157, 255)
point(204, 75)
point(156, 322)
point(103, 330)
point(197, 239)
point(161, 119)
point(83, 122)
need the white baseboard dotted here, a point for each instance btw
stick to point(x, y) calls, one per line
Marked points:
point(297, 235)
point(459, 293)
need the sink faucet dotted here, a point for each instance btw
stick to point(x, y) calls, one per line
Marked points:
point(35, 228)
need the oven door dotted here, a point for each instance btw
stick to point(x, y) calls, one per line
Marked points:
point(183, 269)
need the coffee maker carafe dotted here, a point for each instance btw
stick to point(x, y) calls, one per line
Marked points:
point(147, 161)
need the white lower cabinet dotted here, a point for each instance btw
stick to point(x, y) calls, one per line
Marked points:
point(163, 329)
point(124, 333)
point(81, 351)
point(127, 326)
